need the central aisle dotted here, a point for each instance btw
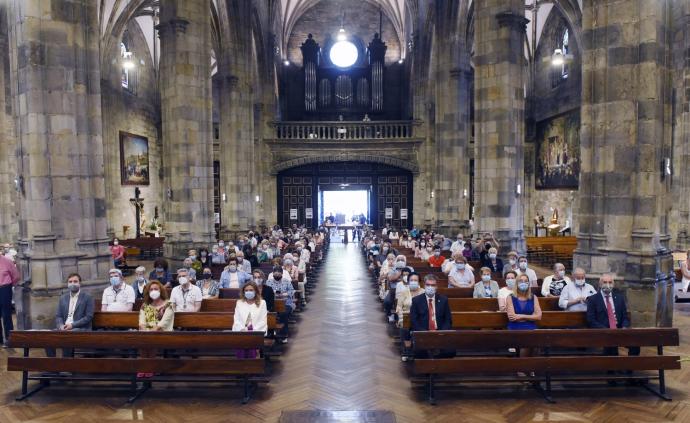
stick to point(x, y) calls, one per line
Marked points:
point(341, 357)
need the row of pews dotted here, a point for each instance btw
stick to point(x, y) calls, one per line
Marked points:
point(479, 349)
point(202, 349)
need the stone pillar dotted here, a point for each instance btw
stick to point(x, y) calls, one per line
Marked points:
point(623, 204)
point(55, 74)
point(185, 85)
point(8, 164)
point(500, 119)
point(452, 77)
point(237, 130)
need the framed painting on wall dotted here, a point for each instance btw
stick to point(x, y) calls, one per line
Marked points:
point(134, 159)
point(558, 152)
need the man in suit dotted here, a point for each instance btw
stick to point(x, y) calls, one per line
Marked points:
point(607, 310)
point(74, 312)
point(430, 304)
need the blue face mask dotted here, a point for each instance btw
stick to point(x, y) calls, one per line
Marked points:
point(510, 283)
point(115, 280)
point(249, 295)
point(522, 286)
point(414, 285)
point(430, 291)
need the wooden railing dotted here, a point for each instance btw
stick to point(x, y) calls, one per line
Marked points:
point(342, 130)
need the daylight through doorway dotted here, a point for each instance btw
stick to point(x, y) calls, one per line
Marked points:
point(345, 206)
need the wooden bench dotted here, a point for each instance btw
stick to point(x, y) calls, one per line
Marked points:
point(125, 369)
point(545, 367)
point(468, 292)
point(499, 320)
point(491, 304)
point(216, 304)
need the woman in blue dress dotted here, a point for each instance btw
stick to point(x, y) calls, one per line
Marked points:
point(523, 309)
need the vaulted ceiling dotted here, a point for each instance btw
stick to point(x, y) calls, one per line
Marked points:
point(292, 10)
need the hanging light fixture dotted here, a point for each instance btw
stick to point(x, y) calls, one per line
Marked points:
point(128, 61)
point(558, 58)
point(342, 35)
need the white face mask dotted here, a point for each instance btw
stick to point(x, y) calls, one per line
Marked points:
point(154, 295)
point(183, 280)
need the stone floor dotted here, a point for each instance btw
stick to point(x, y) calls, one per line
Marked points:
point(341, 357)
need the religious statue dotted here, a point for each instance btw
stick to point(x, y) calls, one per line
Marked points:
point(554, 226)
point(138, 204)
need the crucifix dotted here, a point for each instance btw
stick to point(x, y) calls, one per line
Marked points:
point(138, 204)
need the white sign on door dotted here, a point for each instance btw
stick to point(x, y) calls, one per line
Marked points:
point(403, 213)
point(308, 213)
point(389, 212)
point(293, 214)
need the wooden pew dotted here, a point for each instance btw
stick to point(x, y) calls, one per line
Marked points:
point(491, 304)
point(546, 368)
point(220, 304)
point(499, 320)
point(184, 321)
point(468, 292)
point(234, 293)
point(124, 369)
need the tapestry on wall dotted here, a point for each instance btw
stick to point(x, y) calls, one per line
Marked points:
point(558, 152)
point(134, 159)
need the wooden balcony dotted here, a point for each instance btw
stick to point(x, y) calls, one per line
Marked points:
point(345, 131)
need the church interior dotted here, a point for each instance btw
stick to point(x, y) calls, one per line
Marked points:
point(344, 210)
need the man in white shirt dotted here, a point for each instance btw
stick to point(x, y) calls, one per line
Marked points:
point(523, 269)
point(574, 295)
point(118, 296)
point(458, 245)
point(185, 296)
point(243, 264)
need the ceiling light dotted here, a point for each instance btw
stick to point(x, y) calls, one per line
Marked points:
point(558, 58)
point(128, 63)
point(286, 63)
point(341, 35)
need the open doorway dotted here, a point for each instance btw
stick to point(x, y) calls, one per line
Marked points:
point(345, 206)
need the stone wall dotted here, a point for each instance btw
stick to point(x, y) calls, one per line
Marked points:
point(136, 113)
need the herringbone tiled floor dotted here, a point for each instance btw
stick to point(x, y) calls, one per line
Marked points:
point(341, 357)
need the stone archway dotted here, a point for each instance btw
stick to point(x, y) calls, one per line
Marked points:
point(345, 157)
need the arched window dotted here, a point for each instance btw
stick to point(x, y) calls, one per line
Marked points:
point(565, 50)
point(124, 54)
point(559, 74)
point(128, 68)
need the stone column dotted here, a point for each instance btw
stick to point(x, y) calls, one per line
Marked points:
point(185, 85)
point(452, 76)
point(8, 163)
point(237, 132)
point(623, 204)
point(500, 119)
point(56, 96)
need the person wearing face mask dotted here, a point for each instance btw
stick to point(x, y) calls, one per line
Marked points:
point(523, 308)
point(139, 282)
point(460, 276)
point(156, 313)
point(607, 310)
point(512, 265)
point(250, 256)
point(467, 251)
point(393, 280)
point(458, 245)
point(574, 295)
point(232, 277)
point(250, 315)
point(507, 290)
point(185, 297)
point(209, 287)
point(283, 290)
point(74, 312)
point(243, 264)
point(487, 288)
point(437, 259)
point(118, 296)
point(430, 311)
point(492, 261)
point(427, 252)
point(218, 255)
point(117, 252)
point(204, 257)
point(187, 264)
point(266, 292)
point(685, 272)
point(523, 269)
point(553, 285)
point(160, 272)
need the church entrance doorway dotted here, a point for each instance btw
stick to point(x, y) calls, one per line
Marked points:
point(308, 193)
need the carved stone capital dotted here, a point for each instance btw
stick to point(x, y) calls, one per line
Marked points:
point(512, 20)
point(172, 27)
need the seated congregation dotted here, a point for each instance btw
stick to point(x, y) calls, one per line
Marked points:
point(462, 315)
point(216, 318)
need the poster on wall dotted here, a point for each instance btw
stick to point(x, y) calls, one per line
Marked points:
point(293, 214)
point(134, 159)
point(558, 152)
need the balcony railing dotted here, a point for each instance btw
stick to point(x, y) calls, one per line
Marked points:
point(340, 130)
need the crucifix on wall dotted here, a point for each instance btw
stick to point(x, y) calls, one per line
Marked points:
point(138, 204)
